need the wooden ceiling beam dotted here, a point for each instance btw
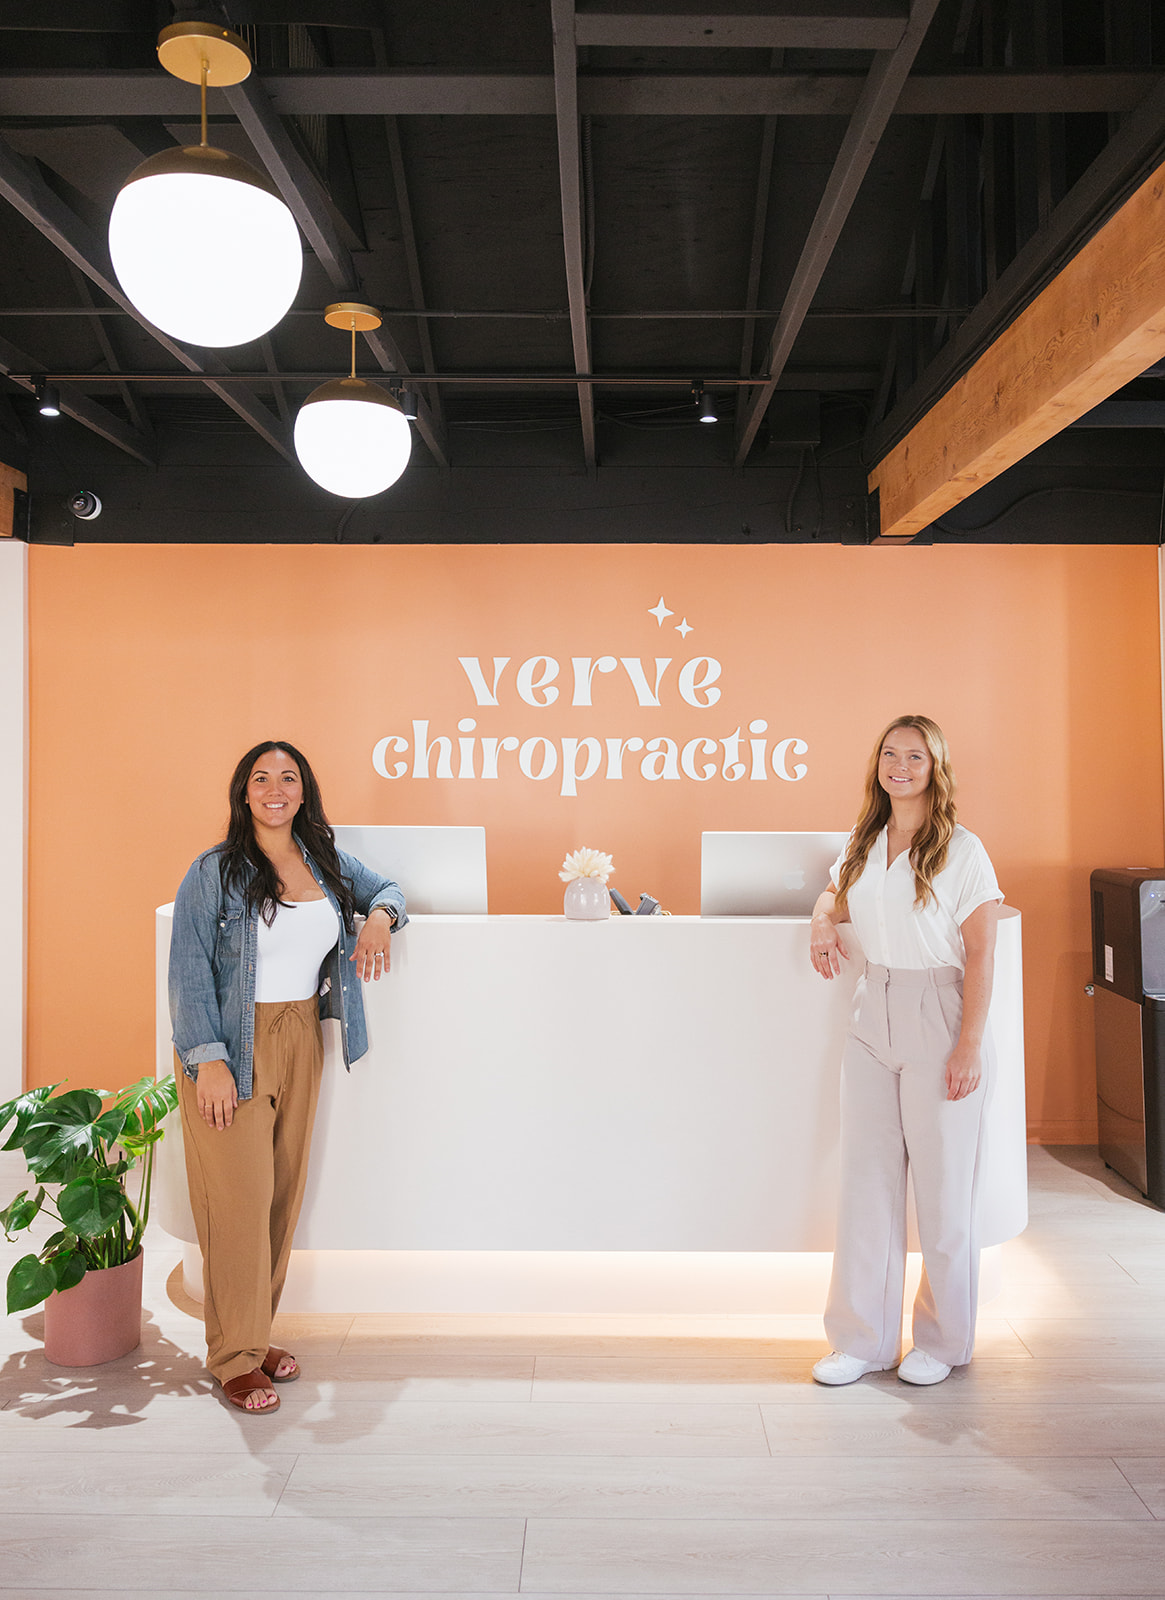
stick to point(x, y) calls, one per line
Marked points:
point(10, 480)
point(1099, 323)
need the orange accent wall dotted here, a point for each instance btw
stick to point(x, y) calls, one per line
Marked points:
point(154, 667)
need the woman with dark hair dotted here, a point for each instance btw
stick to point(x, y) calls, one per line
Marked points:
point(264, 945)
point(921, 895)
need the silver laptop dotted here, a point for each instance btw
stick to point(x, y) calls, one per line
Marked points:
point(765, 874)
point(441, 870)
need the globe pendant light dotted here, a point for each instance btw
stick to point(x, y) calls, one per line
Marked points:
point(351, 437)
point(201, 242)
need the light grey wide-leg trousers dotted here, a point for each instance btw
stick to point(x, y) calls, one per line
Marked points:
point(895, 1116)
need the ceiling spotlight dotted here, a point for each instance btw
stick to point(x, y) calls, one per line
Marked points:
point(201, 242)
point(351, 437)
point(408, 401)
point(48, 401)
point(706, 406)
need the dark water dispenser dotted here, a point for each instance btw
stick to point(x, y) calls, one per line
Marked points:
point(1128, 976)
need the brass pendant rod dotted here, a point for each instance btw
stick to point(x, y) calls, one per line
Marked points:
point(353, 372)
point(205, 70)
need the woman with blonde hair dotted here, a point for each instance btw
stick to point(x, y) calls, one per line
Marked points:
point(921, 896)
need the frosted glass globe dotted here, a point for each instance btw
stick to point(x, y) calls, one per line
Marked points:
point(203, 248)
point(352, 438)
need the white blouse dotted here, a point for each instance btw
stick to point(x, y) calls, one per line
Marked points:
point(292, 950)
point(893, 931)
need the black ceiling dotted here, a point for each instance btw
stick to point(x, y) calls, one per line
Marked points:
point(821, 210)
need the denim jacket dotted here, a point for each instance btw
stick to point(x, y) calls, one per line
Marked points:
point(213, 955)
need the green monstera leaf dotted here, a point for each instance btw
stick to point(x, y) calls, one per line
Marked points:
point(67, 1130)
point(29, 1282)
point(82, 1143)
point(90, 1205)
point(136, 1144)
point(18, 1216)
point(25, 1108)
point(68, 1268)
point(57, 1243)
point(145, 1103)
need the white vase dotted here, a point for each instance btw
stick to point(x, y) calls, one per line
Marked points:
point(587, 900)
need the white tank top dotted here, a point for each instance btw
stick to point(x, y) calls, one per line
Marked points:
point(292, 949)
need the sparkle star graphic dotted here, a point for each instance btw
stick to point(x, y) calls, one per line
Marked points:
point(659, 612)
point(684, 628)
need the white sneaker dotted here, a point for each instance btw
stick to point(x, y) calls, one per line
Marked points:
point(917, 1367)
point(837, 1367)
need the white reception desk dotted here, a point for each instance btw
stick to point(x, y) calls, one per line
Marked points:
point(638, 1114)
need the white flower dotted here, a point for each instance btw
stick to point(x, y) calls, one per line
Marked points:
point(586, 863)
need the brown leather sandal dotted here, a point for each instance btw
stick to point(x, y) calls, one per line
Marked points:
point(271, 1362)
point(247, 1383)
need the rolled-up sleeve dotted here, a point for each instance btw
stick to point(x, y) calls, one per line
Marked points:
point(195, 1013)
point(977, 882)
point(371, 889)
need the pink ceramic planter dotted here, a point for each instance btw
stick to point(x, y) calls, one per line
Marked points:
point(97, 1320)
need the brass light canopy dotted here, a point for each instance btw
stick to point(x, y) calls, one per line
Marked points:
point(202, 243)
point(183, 47)
point(351, 436)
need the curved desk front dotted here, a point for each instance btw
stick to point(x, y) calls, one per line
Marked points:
point(633, 1114)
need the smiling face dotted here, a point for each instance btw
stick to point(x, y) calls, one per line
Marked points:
point(274, 790)
point(904, 765)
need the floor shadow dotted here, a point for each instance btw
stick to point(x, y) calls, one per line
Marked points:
point(112, 1395)
point(1086, 1160)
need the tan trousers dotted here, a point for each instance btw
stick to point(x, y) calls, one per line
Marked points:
point(895, 1115)
point(247, 1181)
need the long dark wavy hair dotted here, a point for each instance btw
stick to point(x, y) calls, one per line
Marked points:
point(928, 853)
point(244, 867)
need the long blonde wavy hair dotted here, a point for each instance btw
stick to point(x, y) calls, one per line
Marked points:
point(928, 853)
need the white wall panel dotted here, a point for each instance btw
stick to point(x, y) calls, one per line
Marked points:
point(13, 810)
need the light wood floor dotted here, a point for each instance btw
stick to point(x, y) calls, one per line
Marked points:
point(588, 1456)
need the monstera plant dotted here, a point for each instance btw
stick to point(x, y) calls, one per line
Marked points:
point(83, 1143)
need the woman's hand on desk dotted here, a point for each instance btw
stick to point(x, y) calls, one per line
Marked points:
point(826, 946)
point(218, 1094)
point(371, 954)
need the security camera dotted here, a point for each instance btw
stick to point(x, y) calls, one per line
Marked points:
point(84, 504)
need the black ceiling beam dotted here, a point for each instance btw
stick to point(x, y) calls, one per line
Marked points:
point(837, 94)
point(126, 16)
point(78, 406)
point(792, 378)
point(815, 25)
point(760, 215)
point(1123, 414)
point(24, 189)
point(562, 16)
point(106, 94)
point(71, 16)
point(101, 334)
point(309, 204)
point(404, 211)
point(863, 133)
point(916, 313)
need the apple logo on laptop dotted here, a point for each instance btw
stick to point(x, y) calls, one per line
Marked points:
point(794, 880)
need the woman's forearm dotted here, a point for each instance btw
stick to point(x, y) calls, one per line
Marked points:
point(826, 904)
point(978, 977)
